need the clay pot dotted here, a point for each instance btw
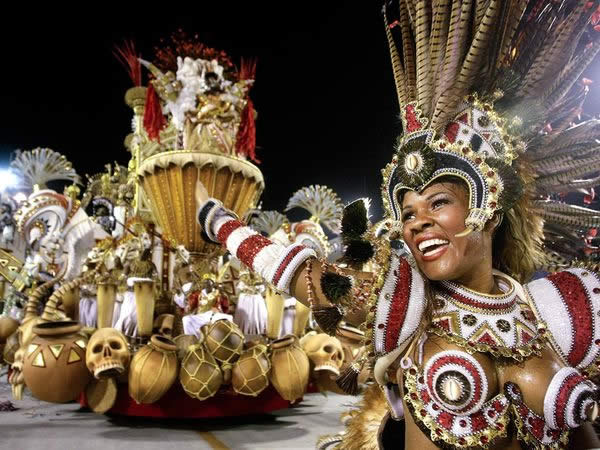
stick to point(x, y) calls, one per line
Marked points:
point(251, 372)
point(54, 367)
point(224, 340)
point(144, 302)
point(200, 374)
point(10, 348)
point(8, 326)
point(107, 295)
point(153, 370)
point(183, 343)
point(289, 368)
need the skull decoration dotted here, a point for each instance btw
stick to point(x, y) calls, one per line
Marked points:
point(107, 353)
point(163, 325)
point(324, 351)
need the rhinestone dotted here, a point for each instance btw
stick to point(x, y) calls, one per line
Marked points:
point(438, 432)
point(463, 423)
point(596, 290)
point(493, 189)
point(423, 412)
point(584, 274)
point(491, 173)
point(381, 326)
point(478, 160)
point(469, 320)
point(493, 205)
point(387, 296)
point(435, 407)
point(484, 439)
point(412, 371)
point(499, 426)
point(530, 420)
point(503, 325)
point(413, 396)
point(421, 380)
point(367, 342)
point(462, 441)
point(491, 413)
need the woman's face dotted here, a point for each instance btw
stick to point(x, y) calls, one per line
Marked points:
point(431, 220)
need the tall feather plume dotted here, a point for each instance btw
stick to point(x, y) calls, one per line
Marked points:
point(424, 80)
point(439, 34)
point(399, 76)
point(408, 53)
point(39, 166)
point(445, 93)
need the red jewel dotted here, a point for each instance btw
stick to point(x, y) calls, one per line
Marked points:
point(597, 341)
point(515, 351)
point(367, 342)
point(478, 161)
point(442, 145)
point(542, 330)
point(435, 407)
point(373, 309)
point(381, 326)
point(484, 439)
point(463, 423)
point(549, 433)
point(413, 371)
point(492, 205)
point(471, 344)
point(423, 412)
point(499, 426)
point(421, 380)
point(413, 396)
point(466, 150)
point(438, 432)
point(530, 420)
point(493, 189)
point(490, 173)
point(596, 290)
point(462, 441)
point(491, 413)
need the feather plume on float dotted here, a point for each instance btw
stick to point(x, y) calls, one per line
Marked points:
point(39, 166)
point(129, 58)
point(321, 202)
point(267, 222)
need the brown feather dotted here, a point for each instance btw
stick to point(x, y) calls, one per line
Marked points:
point(399, 78)
point(424, 81)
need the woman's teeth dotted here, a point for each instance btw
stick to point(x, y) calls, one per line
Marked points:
point(431, 245)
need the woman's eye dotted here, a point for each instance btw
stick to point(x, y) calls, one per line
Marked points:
point(407, 216)
point(439, 202)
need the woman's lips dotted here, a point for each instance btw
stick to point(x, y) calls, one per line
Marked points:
point(434, 254)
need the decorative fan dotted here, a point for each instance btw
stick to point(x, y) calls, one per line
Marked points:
point(39, 166)
point(267, 222)
point(322, 203)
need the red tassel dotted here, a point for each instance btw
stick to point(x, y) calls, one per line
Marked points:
point(127, 56)
point(245, 143)
point(154, 120)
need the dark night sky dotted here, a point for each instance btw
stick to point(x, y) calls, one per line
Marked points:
point(324, 89)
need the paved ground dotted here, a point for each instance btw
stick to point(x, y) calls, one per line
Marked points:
point(43, 426)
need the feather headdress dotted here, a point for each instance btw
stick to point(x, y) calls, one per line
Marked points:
point(482, 82)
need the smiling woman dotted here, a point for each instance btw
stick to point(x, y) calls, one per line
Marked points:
point(466, 354)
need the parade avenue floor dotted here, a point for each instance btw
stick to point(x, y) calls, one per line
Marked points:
point(45, 426)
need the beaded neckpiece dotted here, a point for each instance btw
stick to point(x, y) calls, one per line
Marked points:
point(502, 325)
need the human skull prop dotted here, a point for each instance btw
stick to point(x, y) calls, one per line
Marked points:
point(107, 353)
point(324, 351)
point(163, 325)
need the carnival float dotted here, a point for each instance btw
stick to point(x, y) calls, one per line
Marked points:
point(110, 295)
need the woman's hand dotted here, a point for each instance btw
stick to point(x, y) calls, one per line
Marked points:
point(201, 193)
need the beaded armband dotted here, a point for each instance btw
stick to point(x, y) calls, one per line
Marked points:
point(275, 263)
